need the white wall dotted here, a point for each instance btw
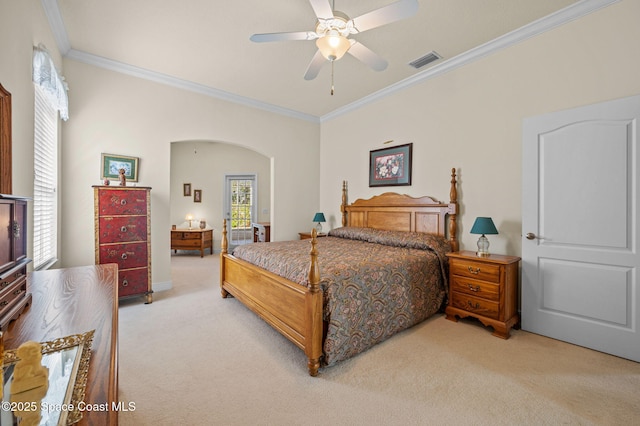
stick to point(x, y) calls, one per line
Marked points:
point(22, 26)
point(120, 114)
point(204, 165)
point(471, 119)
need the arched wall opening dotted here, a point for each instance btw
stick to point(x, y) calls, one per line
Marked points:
point(203, 165)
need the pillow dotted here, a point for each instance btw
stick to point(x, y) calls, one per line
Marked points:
point(415, 240)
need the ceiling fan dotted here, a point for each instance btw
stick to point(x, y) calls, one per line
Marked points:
point(333, 29)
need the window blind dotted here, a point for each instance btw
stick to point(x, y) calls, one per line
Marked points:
point(45, 200)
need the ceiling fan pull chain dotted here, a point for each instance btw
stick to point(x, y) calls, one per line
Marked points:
point(332, 62)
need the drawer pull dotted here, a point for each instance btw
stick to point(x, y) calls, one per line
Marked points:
point(125, 283)
point(475, 289)
point(4, 303)
point(123, 256)
point(17, 292)
point(471, 305)
point(123, 229)
point(474, 271)
point(4, 284)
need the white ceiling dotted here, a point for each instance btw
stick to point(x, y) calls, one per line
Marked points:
point(204, 45)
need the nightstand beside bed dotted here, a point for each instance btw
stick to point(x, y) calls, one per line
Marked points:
point(485, 288)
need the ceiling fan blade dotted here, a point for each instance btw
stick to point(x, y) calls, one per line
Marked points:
point(314, 66)
point(295, 36)
point(322, 9)
point(385, 15)
point(367, 56)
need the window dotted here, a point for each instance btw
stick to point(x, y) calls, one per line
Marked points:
point(45, 200)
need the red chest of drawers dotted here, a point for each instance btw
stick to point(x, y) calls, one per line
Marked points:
point(122, 236)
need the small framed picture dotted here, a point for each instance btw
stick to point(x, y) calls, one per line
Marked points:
point(186, 189)
point(390, 166)
point(197, 195)
point(112, 164)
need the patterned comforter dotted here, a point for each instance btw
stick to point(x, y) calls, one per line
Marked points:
point(375, 283)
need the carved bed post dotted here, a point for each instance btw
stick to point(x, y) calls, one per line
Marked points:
point(223, 250)
point(313, 301)
point(344, 203)
point(453, 226)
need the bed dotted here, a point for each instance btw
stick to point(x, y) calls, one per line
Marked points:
point(326, 294)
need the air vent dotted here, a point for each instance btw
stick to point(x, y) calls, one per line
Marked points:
point(426, 59)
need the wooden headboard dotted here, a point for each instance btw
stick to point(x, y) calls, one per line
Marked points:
point(398, 212)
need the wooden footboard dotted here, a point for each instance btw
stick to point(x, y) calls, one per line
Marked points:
point(292, 309)
point(296, 310)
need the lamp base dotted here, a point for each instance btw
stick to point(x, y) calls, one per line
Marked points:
point(319, 227)
point(483, 247)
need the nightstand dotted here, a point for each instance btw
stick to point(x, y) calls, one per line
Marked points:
point(485, 288)
point(307, 235)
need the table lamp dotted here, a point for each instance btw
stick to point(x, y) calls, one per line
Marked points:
point(189, 218)
point(483, 225)
point(319, 218)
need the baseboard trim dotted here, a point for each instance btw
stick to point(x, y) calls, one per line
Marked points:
point(166, 285)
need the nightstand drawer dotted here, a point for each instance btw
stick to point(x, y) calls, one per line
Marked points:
point(478, 270)
point(186, 244)
point(477, 288)
point(475, 305)
point(184, 236)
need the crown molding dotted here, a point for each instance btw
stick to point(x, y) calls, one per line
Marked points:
point(52, 11)
point(570, 13)
point(530, 30)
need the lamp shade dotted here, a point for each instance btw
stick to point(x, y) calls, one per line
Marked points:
point(333, 46)
point(319, 217)
point(483, 225)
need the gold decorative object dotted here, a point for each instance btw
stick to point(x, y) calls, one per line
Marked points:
point(25, 402)
point(29, 373)
point(77, 378)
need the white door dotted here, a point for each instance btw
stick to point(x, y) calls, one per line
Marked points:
point(240, 208)
point(580, 259)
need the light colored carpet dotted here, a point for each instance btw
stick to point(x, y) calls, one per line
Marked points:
point(193, 358)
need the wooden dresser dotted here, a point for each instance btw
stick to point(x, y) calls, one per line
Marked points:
point(485, 288)
point(13, 258)
point(192, 239)
point(122, 236)
point(74, 301)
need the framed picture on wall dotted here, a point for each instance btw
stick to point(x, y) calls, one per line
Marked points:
point(197, 195)
point(111, 165)
point(186, 189)
point(390, 166)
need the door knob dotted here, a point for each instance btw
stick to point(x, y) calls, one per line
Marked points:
point(530, 236)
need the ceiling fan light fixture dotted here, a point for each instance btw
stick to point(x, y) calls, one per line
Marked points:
point(332, 45)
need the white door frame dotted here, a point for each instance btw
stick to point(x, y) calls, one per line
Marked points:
point(228, 178)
